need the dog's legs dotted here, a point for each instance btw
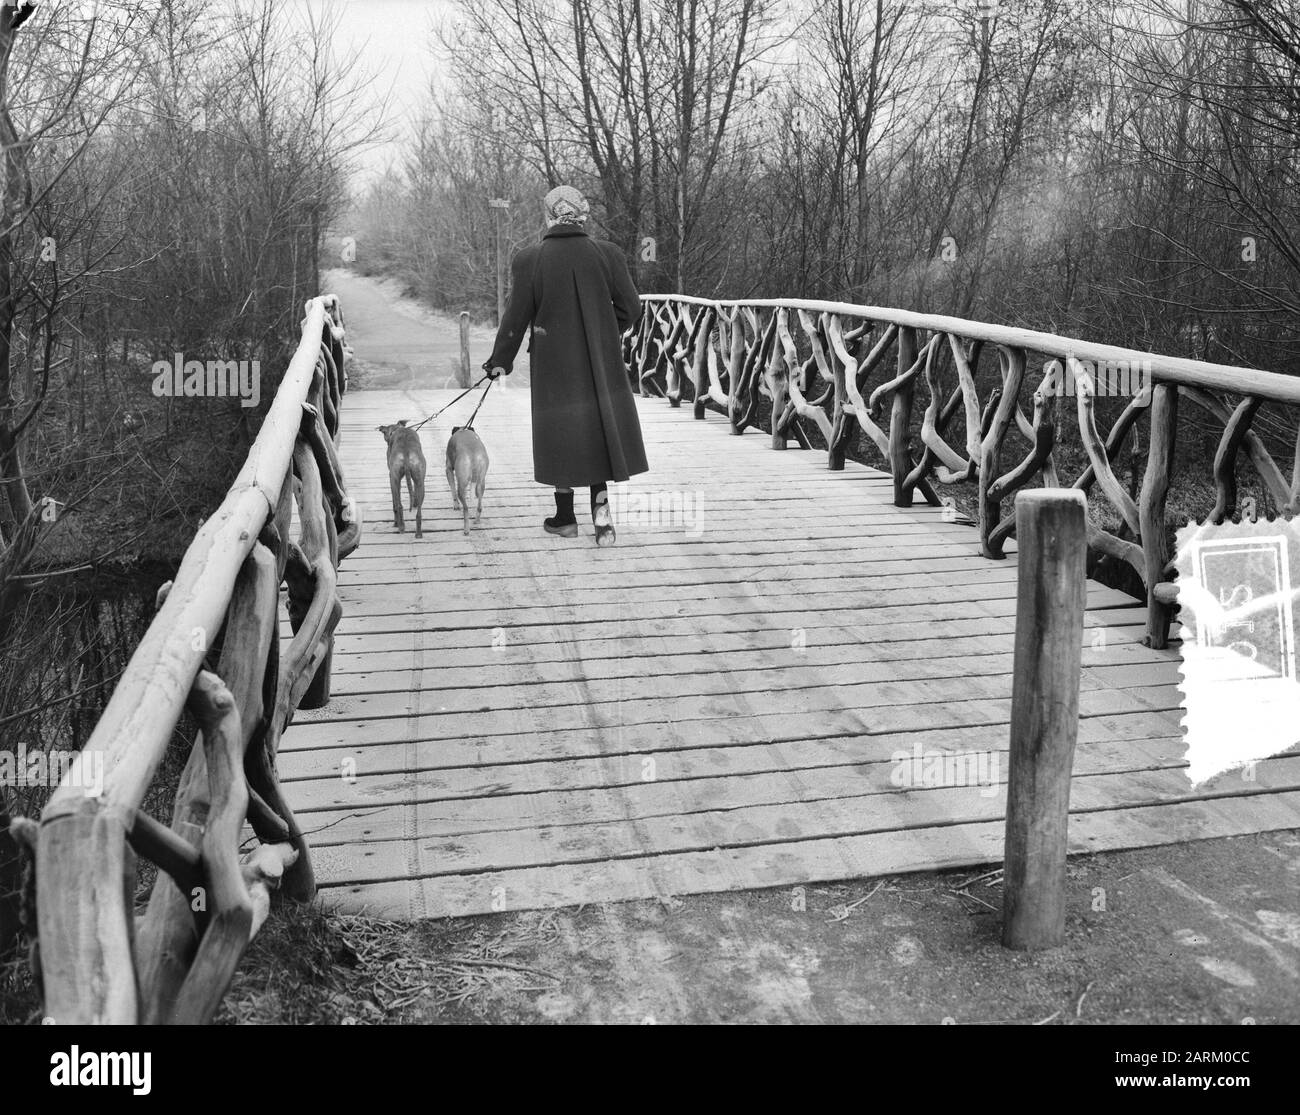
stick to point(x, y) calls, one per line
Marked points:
point(395, 479)
point(410, 491)
point(417, 501)
point(479, 492)
point(451, 483)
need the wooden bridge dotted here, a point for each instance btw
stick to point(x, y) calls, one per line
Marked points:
point(784, 672)
point(719, 702)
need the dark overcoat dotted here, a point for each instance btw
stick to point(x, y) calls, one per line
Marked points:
point(577, 297)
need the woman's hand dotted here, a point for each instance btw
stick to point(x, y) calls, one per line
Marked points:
point(495, 373)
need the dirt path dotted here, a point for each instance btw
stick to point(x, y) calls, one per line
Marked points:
point(397, 342)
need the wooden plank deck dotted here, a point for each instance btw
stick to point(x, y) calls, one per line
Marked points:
point(521, 721)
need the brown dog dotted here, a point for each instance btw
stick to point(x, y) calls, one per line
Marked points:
point(405, 459)
point(467, 465)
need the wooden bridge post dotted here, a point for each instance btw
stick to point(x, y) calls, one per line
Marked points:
point(735, 364)
point(778, 380)
point(1051, 537)
point(900, 455)
point(462, 376)
point(700, 361)
point(1151, 510)
point(844, 421)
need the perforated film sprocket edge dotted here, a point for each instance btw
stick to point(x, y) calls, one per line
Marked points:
point(1237, 587)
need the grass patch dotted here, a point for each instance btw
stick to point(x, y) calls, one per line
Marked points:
point(308, 966)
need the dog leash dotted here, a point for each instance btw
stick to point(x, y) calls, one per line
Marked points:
point(454, 401)
point(470, 424)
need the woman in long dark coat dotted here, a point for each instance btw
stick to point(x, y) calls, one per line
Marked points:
point(578, 298)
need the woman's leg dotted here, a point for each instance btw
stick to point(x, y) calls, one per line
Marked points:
point(600, 515)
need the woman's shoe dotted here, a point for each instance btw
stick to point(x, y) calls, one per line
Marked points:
point(565, 530)
point(604, 522)
point(562, 522)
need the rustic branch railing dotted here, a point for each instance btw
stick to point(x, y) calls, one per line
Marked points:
point(736, 352)
point(98, 962)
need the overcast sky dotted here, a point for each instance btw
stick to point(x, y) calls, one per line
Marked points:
point(394, 38)
point(396, 43)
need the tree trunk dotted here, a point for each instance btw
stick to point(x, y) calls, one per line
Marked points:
point(15, 190)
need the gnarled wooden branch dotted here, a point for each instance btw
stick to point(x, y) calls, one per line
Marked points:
point(229, 908)
point(1128, 552)
point(906, 374)
point(1092, 444)
point(167, 850)
point(953, 467)
point(1225, 457)
point(796, 383)
point(755, 369)
point(928, 461)
point(853, 373)
point(1155, 489)
point(970, 397)
point(675, 355)
point(1136, 408)
point(169, 931)
point(1043, 437)
point(1012, 361)
point(900, 416)
point(1260, 457)
point(776, 376)
point(736, 361)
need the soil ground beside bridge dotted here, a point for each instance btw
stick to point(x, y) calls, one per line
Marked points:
point(1201, 933)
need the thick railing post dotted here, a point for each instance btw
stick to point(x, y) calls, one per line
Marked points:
point(990, 471)
point(900, 417)
point(462, 375)
point(1151, 509)
point(1052, 542)
point(700, 361)
point(778, 382)
point(735, 364)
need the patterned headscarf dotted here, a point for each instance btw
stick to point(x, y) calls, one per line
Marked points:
point(566, 206)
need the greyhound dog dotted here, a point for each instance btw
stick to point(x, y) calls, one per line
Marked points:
point(467, 465)
point(405, 459)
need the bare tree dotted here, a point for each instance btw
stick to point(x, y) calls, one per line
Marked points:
point(638, 98)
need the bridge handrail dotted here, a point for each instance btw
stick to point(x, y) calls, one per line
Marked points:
point(733, 351)
point(1175, 369)
point(95, 963)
